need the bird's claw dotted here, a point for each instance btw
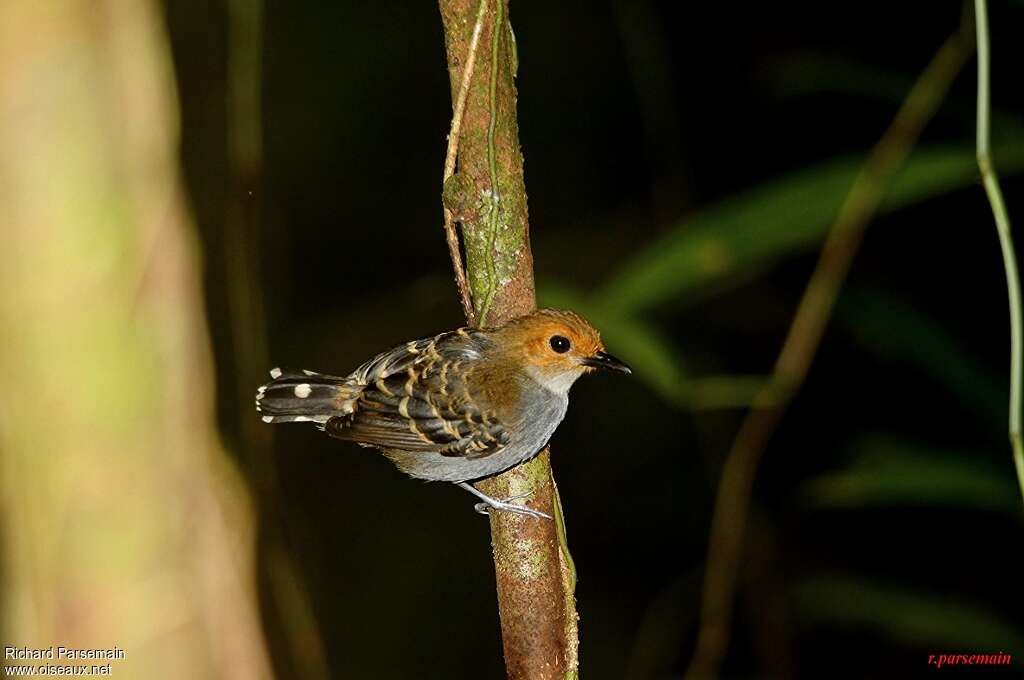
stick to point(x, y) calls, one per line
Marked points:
point(505, 506)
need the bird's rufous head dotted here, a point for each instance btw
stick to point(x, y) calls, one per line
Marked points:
point(556, 347)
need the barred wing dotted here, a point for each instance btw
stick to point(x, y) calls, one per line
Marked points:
point(416, 398)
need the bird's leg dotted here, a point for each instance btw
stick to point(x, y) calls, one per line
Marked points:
point(502, 505)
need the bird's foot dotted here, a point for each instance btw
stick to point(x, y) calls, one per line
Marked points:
point(489, 503)
point(505, 506)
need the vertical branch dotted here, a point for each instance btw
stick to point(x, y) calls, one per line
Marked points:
point(487, 196)
point(490, 206)
point(995, 199)
point(728, 522)
point(449, 166)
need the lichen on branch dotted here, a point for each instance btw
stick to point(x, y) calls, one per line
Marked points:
point(487, 194)
point(534, 575)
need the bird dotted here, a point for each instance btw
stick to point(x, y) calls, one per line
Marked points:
point(456, 407)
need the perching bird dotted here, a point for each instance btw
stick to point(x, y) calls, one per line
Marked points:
point(457, 407)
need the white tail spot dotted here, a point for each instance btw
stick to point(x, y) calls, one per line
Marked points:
point(302, 391)
point(275, 373)
point(268, 419)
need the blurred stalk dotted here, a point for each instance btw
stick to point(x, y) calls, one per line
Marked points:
point(728, 524)
point(124, 523)
point(242, 223)
point(248, 330)
point(487, 196)
point(995, 199)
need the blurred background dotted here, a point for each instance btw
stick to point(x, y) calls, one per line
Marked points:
point(194, 192)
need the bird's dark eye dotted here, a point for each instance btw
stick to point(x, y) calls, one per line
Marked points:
point(560, 344)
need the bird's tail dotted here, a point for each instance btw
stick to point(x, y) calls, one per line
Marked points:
point(303, 397)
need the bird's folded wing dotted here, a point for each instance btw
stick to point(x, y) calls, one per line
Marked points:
point(417, 398)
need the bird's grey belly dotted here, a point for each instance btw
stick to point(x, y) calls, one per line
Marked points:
point(528, 437)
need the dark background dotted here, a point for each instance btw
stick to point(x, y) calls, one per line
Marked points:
point(886, 517)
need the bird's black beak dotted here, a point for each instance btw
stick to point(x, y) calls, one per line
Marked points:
point(605, 360)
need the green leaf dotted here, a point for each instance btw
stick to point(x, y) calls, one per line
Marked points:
point(904, 334)
point(816, 73)
point(744, 234)
point(905, 615)
point(887, 472)
point(652, 356)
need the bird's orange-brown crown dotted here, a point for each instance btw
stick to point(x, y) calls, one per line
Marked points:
point(552, 340)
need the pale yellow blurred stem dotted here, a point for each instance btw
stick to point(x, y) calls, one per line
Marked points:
point(123, 523)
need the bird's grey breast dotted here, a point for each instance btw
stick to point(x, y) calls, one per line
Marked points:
point(541, 412)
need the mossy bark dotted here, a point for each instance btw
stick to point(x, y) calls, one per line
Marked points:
point(487, 196)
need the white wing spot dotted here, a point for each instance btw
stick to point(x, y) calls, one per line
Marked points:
point(268, 419)
point(302, 391)
point(275, 373)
